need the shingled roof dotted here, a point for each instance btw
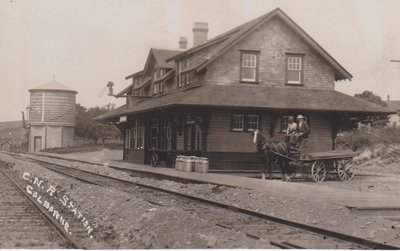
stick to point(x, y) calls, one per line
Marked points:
point(232, 37)
point(160, 55)
point(252, 97)
point(52, 86)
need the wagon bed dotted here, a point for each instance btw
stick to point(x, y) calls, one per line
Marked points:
point(328, 155)
point(320, 163)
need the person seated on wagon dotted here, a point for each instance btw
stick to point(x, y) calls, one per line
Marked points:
point(291, 131)
point(302, 129)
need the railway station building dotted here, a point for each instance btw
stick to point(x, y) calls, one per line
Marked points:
point(207, 100)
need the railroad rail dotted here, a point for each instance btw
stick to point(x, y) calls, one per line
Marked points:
point(24, 223)
point(254, 224)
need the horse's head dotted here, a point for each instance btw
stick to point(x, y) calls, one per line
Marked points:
point(258, 137)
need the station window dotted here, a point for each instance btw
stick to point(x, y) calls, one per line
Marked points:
point(184, 78)
point(294, 69)
point(154, 133)
point(132, 138)
point(140, 136)
point(252, 122)
point(245, 122)
point(156, 88)
point(238, 122)
point(249, 67)
point(167, 133)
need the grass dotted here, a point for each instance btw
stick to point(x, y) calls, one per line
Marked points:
point(84, 148)
point(14, 133)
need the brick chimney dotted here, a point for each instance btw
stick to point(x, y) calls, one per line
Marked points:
point(183, 43)
point(200, 31)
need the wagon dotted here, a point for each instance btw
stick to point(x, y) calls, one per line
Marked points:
point(320, 164)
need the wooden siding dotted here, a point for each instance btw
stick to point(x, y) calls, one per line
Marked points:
point(35, 112)
point(273, 40)
point(58, 107)
point(222, 139)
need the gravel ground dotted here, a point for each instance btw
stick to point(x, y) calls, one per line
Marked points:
point(323, 214)
point(122, 220)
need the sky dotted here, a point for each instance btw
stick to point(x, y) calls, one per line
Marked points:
point(84, 44)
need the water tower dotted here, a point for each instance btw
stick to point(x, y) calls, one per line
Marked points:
point(51, 116)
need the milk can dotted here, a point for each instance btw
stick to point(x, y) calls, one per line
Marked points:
point(204, 165)
point(189, 162)
point(198, 165)
point(179, 163)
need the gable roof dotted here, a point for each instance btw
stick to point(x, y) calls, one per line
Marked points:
point(252, 97)
point(232, 37)
point(160, 56)
point(134, 75)
point(125, 90)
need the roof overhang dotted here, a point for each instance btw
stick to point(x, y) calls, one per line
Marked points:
point(239, 96)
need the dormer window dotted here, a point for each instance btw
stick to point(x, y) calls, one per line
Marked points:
point(158, 73)
point(158, 88)
point(183, 77)
point(294, 69)
point(137, 81)
point(249, 67)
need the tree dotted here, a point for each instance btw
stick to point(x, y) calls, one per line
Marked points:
point(87, 127)
point(375, 120)
point(371, 97)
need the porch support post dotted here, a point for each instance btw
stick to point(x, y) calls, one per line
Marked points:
point(204, 129)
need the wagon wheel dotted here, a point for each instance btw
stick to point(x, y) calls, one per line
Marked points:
point(344, 169)
point(318, 171)
point(154, 159)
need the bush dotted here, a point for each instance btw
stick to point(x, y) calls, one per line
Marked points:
point(83, 148)
point(361, 139)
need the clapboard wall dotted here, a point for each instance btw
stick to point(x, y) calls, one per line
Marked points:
point(222, 139)
point(52, 106)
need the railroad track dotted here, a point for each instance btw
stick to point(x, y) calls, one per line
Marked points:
point(25, 225)
point(254, 224)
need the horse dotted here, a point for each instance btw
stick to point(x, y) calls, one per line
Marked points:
point(267, 150)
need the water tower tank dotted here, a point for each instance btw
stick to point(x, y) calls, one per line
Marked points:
point(51, 116)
